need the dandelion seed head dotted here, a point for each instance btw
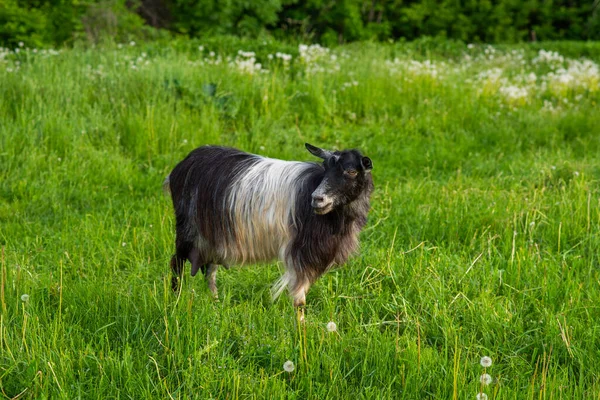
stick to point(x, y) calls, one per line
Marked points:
point(24, 298)
point(123, 244)
point(331, 326)
point(485, 379)
point(288, 366)
point(486, 362)
point(481, 396)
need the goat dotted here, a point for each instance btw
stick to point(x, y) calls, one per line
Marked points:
point(233, 207)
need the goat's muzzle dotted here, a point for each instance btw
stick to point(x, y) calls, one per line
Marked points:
point(321, 204)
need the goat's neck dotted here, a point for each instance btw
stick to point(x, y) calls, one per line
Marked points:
point(357, 208)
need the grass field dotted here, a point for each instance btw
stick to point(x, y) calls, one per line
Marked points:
point(483, 239)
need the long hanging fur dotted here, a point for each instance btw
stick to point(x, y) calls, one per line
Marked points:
point(232, 207)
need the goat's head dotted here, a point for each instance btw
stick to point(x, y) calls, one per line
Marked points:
point(347, 176)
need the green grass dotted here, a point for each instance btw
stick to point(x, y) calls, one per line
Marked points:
point(483, 239)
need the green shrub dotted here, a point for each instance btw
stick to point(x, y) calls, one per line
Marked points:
point(39, 22)
point(18, 24)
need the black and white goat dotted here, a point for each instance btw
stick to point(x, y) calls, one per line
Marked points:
point(232, 207)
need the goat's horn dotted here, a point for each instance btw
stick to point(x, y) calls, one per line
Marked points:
point(315, 151)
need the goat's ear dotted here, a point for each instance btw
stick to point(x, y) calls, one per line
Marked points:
point(367, 163)
point(315, 151)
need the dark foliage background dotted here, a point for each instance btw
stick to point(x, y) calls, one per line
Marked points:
point(54, 22)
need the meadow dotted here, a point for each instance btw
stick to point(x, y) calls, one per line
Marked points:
point(483, 239)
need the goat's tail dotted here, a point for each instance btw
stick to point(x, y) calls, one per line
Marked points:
point(167, 184)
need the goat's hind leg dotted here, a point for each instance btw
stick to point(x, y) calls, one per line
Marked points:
point(178, 262)
point(176, 270)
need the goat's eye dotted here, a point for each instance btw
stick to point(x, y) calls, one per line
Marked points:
point(351, 172)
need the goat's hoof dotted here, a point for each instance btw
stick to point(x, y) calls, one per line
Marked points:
point(301, 318)
point(175, 284)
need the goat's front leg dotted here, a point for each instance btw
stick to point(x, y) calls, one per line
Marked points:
point(298, 289)
point(211, 279)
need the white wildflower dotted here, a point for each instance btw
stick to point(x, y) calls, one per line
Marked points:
point(285, 57)
point(247, 54)
point(513, 92)
point(548, 106)
point(548, 57)
point(288, 366)
point(485, 379)
point(132, 43)
point(413, 67)
point(123, 244)
point(486, 362)
point(492, 75)
point(331, 326)
point(314, 58)
point(246, 62)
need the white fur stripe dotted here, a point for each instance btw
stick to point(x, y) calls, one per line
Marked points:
point(263, 201)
